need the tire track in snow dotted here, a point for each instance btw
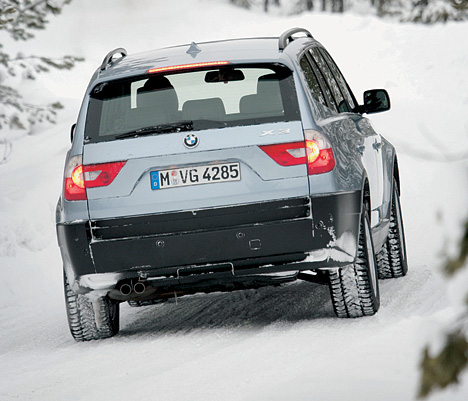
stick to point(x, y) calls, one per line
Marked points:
point(6, 148)
point(257, 309)
point(417, 294)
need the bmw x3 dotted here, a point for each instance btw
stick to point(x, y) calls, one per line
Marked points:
point(226, 165)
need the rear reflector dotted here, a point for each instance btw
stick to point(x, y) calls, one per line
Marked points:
point(315, 151)
point(187, 66)
point(79, 177)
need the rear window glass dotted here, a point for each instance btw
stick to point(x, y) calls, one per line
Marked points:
point(202, 99)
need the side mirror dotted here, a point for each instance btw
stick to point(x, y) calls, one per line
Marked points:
point(72, 132)
point(375, 101)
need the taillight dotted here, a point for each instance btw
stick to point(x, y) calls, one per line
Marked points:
point(315, 151)
point(188, 66)
point(101, 175)
point(79, 177)
point(320, 159)
point(74, 180)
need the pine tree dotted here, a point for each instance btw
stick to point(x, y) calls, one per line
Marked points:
point(423, 11)
point(241, 3)
point(19, 19)
point(445, 368)
point(459, 5)
point(267, 2)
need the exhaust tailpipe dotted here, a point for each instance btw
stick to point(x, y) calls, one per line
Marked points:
point(139, 287)
point(125, 289)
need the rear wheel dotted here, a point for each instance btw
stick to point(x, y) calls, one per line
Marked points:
point(355, 288)
point(391, 259)
point(90, 319)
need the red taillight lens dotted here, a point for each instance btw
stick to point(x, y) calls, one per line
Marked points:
point(321, 159)
point(323, 163)
point(79, 177)
point(74, 181)
point(286, 154)
point(100, 175)
point(315, 151)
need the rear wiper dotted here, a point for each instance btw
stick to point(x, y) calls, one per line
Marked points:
point(157, 129)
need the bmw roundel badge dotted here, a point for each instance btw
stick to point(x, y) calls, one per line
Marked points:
point(191, 140)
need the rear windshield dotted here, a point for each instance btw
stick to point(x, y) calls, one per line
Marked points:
point(214, 98)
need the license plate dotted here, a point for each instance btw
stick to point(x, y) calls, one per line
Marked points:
point(195, 175)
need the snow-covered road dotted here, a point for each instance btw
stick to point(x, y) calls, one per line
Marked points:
point(269, 344)
point(279, 343)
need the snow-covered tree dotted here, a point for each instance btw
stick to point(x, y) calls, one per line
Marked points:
point(336, 6)
point(266, 4)
point(241, 3)
point(432, 11)
point(294, 6)
point(18, 20)
point(444, 369)
point(423, 11)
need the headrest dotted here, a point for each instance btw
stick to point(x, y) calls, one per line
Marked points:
point(268, 83)
point(157, 82)
point(158, 92)
point(204, 109)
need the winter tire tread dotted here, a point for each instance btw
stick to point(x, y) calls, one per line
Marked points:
point(391, 259)
point(84, 323)
point(352, 287)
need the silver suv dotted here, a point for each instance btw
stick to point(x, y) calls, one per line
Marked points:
point(221, 166)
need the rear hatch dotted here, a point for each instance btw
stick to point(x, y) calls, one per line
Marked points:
point(192, 151)
point(192, 140)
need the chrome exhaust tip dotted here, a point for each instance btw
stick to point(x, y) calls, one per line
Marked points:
point(139, 287)
point(125, 289)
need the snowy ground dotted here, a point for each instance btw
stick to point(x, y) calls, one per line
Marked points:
point(271, 344)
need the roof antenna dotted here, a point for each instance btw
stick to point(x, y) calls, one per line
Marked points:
point(193, 50)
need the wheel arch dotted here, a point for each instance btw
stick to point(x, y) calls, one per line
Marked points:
point(366, 193)
point(396, 173)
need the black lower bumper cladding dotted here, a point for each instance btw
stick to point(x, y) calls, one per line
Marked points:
point(228, 234)
point(205, 247)
point(272, 234)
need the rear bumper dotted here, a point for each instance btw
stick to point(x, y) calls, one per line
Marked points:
point(221, 244)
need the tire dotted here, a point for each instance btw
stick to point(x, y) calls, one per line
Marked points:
point(391, 260)
point(355, 288)
point(85, 324)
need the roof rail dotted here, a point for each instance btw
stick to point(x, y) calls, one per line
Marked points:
point(108, 59)
point(286, 37)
